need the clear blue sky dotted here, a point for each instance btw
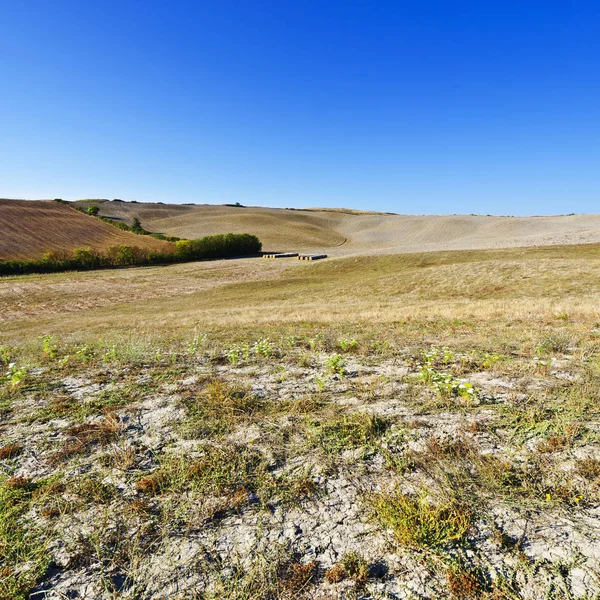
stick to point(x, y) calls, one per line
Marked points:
point(412, 107)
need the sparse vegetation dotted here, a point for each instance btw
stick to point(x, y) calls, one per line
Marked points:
point(282, 455)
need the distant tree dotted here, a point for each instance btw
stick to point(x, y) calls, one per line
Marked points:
point(136, 225)
point(93, 210)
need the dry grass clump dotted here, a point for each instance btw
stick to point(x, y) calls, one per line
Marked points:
point(589, 469)
point(83, 437)
point(296, 577)
point(220, 471)
point(352, 566)
point(219, 408)
point(349, 431)
point(10, 451)
point(463, 584)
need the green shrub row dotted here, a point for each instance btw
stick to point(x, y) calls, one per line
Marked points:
point(82, 259)
point(218, 246)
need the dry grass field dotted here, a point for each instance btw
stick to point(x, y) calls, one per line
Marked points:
point(31, 228)
point(387, 426)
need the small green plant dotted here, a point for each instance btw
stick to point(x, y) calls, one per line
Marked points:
point(85, 353)
point(5, 355)
point(281, 374)
point(336, 364)
point(444, 382)
point(246, 351)
point(543, 365)
point(348, 345)
point(49, 348)
point(263, 347)
point(321, 381)
point(92, 210)
point(197, 343)
point(111, 352)
point(448, 356)
point(233, 354)
point(316, 343)
point(305, 360)
point(490, 359)
point(291, 340)
point(14, 376)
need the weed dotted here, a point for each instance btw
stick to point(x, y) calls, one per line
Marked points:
point(5, 355)
point(348, 345)
point(219, 471)
point(355, 567)
point(335, 574)
point(305, 360)
point(121, 457)
point(14, 376)
point(335, 364)
point(93, 491)
point(49, 347)
point(83, 437)
point(291, 340)
point(295, 577)
point(316, 343)
point(263, 348)
point(442, 381)
point(233, 354)
point(197, 343)
point(418, 523)
point(321, 381)
point(464, 584)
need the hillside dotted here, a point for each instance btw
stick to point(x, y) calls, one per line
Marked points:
point(30, 228)
point(278, 229)
point(351, 232)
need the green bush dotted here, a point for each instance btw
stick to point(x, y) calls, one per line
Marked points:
point(218, 246)
point(92, 210)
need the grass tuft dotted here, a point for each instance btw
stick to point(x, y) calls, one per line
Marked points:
point(418, 523)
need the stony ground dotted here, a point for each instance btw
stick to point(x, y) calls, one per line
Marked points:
point(300, 467)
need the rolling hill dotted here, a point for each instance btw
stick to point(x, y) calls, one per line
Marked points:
point(355, 232)
point(31, 227)
point(28, 228)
